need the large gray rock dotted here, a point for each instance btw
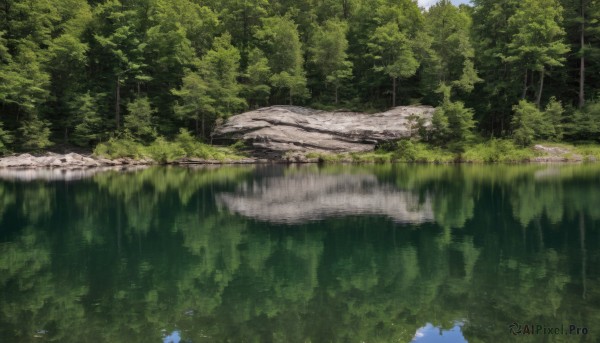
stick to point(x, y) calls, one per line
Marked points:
point(291, 128)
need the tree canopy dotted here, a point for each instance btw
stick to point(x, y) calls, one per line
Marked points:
point(70, 70)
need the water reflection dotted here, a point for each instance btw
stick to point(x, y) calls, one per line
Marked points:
point(169, 254)
point(306, 196)
point(58, 174)
point(432, 334)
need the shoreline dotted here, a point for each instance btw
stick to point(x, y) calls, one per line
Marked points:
point(75, 161)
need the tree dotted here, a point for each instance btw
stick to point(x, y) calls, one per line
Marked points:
point(194, 101)
point(501, 84)
point(23, 82)
point(212, 91)
point(328, 50)
point(139, 120)
point(5, 139)
point(279, 36)
point(452, 122)
point(87, 121)
point(258, 74)
point(116, 33)
point(393, 55)
point(220, 68)
point(584, 124)
point(34, 133)
point(553, 119)
point(453, 62)
point(537, 43)
point(526, 123)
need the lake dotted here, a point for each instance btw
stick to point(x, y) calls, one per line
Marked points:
point(334, 253)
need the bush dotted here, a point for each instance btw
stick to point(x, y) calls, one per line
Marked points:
point(496, 150)
point(119, 148)
point(163, 151)
point(530, 123)
point(585, 123)
point(408, 151)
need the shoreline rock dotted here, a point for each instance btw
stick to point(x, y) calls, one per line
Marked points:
point(66, 161)
point(274, 131)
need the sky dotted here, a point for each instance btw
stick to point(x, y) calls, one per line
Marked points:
point(427, 3)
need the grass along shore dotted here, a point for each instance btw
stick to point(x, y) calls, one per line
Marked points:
point(492, 151)
point(495, 150)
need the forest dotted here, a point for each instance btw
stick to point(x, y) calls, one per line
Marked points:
point(81, 73)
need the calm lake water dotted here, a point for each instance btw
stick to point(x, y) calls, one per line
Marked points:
point(394, 253)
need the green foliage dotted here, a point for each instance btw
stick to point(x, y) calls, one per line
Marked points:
point(392, 52)
point(496, 150)
point(329, 53)
point(530, 123)
point(220, 70)
point(88, 121)
point(163, 152)
point(452, 52)
point(258, 74)
point(139, 120)
point(212, 91)
point(409, 151)
point(34, 134)
point(119, 148)
point(281, 41)
point(79, 65)
point(537, 42)
point(195, 103)
point(452, 123)
point(584, 125)
point(5, 139)
point(554, 117)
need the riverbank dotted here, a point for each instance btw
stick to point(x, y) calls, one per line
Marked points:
point(129, 154)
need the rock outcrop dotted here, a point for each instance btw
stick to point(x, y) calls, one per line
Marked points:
point(297, 129)
point(67, 161)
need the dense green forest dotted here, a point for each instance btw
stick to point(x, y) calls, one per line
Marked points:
point(78, 72)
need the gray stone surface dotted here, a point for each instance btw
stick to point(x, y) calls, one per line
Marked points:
point(64, 161)
point(292, 128)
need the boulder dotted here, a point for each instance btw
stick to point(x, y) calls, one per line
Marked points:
point(297, 129)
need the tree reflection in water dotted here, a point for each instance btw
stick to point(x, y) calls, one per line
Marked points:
point(295, 254)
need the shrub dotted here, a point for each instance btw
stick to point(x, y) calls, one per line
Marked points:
point(496, 150)
point(163, 151)
point(119, 148)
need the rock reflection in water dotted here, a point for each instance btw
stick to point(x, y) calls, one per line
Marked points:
point(294, 199)
point(59, 174)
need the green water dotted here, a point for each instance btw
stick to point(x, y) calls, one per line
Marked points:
point(395, 253)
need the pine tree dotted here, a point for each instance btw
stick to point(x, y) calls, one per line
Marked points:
point(328, 50)
point(139, 120)
point(280, 39)
point(194, 101)
point(258, 74)
point(87, 122)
